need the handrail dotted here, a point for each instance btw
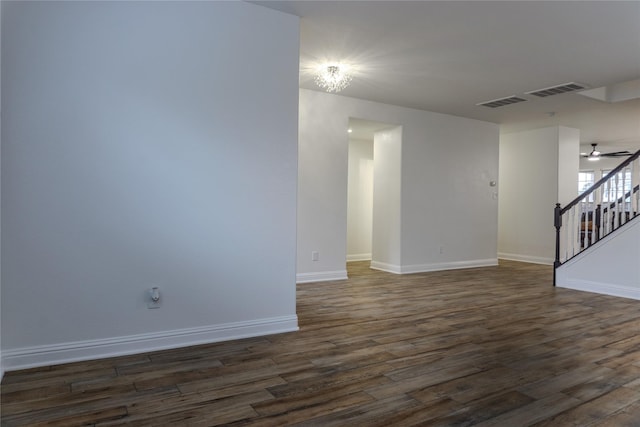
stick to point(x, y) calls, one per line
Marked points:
point(601, 181)
point(586, 227)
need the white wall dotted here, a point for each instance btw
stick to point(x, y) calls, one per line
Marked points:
point(449, 208)
point(387, 190)
point(568, 164)
point(360, 200)
point(447, 163)
point(141, 148)
point(537, 171)
point(611, 267)
point(322, 189)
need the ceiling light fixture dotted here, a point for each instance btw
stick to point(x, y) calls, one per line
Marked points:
point(333, 77)
point(594, 155)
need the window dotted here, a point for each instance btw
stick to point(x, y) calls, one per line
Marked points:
point(585, 181)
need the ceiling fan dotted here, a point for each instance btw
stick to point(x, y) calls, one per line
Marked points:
point(595, 154)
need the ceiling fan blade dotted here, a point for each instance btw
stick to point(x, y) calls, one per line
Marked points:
point(616, 154)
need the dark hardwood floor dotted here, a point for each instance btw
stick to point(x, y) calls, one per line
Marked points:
point(496, 346)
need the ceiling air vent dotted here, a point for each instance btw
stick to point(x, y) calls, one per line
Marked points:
point(495, 103)
point(556, 90)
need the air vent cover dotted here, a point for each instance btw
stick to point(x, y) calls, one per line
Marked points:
point(556, 90)
point(501, 102)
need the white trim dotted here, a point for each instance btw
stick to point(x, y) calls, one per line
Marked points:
point(322, 276)
point(383, 266)
point(599, 288)
point(359, 257)
point(526, 258)
point(423, 268)
point(455, 265)
point(45, 355)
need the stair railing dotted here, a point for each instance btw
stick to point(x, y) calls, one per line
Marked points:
point(604, 207)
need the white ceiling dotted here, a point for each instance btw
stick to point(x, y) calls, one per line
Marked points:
point(448, 56)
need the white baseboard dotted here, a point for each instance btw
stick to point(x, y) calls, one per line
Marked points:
point(322, 276)
point(359, 257)
point(454, 265)
point(599, 288)
point(30, 357)
point(525, 258)
point(383, 266)
point(423, 268)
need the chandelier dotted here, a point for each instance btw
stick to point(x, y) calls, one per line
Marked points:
point(333, 77)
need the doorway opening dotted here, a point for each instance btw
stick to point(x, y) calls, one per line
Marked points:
point(369, 166)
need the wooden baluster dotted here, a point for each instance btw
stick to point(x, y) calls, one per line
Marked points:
point(597, 222)
point(597, 203)
point(605, 210)
point(617, 199)
point(576, 227)
point(580, 218)
point(623, 205)
point(584, 217)
point(566, 240)
point(635, 180)
point(570, 229)
point(633, 201)
point(612, 205)
point(592, 227)
point(591, 223)
point(620, 199)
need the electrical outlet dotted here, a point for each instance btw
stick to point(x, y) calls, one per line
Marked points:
point(441, 249)
point(315, 256)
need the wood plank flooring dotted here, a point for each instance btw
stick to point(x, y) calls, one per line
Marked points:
point(496, 346)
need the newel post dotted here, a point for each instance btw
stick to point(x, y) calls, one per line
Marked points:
point(557, 223)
